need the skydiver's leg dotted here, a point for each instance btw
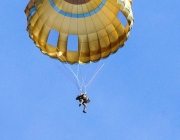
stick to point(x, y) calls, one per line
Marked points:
point(80, 102)
point(84, 110)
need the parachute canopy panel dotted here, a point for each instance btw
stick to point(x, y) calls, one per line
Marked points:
point(95, 22)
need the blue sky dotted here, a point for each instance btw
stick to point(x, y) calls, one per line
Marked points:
point(136, 96)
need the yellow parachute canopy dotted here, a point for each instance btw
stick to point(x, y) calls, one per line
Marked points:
point(95, 22)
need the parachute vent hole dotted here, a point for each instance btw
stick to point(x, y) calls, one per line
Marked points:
point(72, 44)
point(53, 37)
point(122, 18)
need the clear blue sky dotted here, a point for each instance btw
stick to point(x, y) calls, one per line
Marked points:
point(135, 97)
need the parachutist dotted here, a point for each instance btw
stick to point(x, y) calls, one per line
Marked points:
point(83, 99)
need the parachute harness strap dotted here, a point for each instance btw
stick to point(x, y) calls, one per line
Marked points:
point(94, 76)
point(76, 76)
point(86, 86)
point(83, 79)
point(68, 77)
point(79, 72)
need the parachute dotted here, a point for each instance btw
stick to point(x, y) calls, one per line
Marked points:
point(96, 24)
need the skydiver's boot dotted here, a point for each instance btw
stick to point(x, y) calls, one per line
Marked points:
point(84, 110)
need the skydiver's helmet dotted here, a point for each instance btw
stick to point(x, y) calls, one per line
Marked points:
point(80, 96)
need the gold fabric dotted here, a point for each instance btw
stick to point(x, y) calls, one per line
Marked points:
point(99, 34)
